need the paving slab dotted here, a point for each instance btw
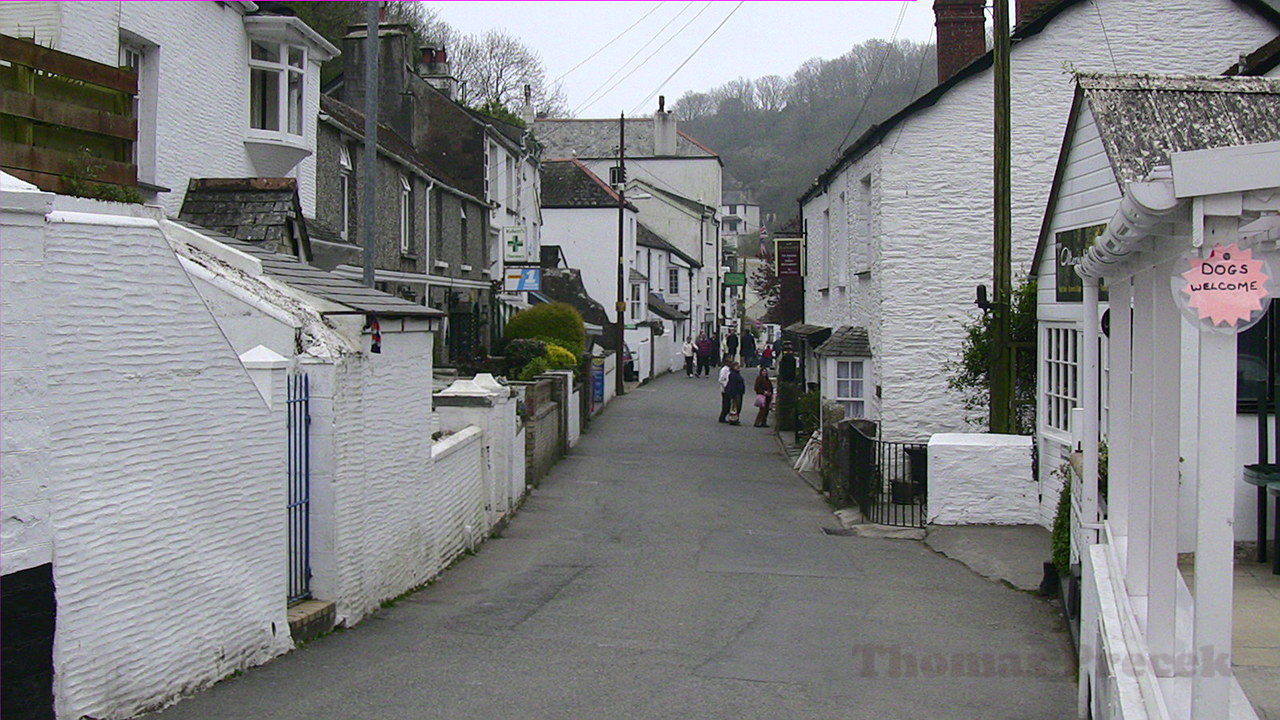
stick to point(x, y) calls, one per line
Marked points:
point(1010, 553)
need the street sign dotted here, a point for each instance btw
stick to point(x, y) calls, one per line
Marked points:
point(515, 245)
point(735, 278)
point(523, 279)
point(789, 256)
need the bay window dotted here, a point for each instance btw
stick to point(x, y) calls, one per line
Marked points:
point(850, 388)
point(277, 80)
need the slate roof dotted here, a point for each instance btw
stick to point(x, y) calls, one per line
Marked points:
point(598, 139)
point(692, 205)
point(646, 237)
point(565, 285)
point(320, 283)
point(570, 184)
point(1144, 118)
point(664, 310)
point(1268, 9)
point(255, 210)
point(846, 342)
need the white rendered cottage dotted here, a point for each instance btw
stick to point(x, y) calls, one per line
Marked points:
point(899, 229)
point(224, 90)
point(1157, 175)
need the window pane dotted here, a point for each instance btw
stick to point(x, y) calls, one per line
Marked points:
point(842, 369)
point(265, 51)
point(295, 103)
point(844, 389)
point(264, 99)
point(295, 57)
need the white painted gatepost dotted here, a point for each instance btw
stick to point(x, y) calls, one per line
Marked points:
point(1150, 646)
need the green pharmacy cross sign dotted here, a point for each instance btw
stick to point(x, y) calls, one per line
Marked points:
point(514, 245)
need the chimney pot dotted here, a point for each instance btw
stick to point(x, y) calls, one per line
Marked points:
point(662, 102)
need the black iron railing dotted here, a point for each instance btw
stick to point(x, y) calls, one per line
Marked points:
point(888, 481)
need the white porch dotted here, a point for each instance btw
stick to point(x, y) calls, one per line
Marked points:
point(1152, 645)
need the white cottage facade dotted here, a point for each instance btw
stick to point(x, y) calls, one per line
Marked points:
point(223, 89)
point(899, 230)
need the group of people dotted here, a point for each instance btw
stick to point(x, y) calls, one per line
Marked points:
point(700, 354)
point(733, 387)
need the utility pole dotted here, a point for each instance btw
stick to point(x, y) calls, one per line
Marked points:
point(1001, 417)
point(369, 179)
point(620, 182)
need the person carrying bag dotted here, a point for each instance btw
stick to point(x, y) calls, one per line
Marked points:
point(764, 397)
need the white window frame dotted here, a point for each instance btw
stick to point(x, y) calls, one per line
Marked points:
point(1060, 376)
point(509, 167)
point(635, 302)
point(139, 55)
point(290, 105)
point(346, 168)
point(673, 280)
point(406, 215)
point(851, 387)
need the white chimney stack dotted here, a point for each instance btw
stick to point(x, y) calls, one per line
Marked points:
point(664, 129)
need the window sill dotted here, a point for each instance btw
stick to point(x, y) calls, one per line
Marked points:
point(442, 265)
point(408, 256)
point(464, 268)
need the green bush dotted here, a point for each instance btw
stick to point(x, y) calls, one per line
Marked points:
point(534, 368)
point(520, 352)
point(1061, 536)
point(557, 323)
point(559, 358)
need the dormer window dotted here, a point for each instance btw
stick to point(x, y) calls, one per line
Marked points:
point(276, 85)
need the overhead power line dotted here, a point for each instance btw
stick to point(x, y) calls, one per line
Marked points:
point(606, 45)
point(652, 55)
point(695, 52)
point(866, 98)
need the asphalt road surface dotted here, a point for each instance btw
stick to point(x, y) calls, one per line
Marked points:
point(674, 567)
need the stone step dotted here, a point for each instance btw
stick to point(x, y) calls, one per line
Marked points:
point(310, 619)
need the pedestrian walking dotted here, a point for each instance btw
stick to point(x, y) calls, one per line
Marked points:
point(704, 349)
point(731, 345)
point(690, 351)
point(764, 397)
point(725, 403)
point(735, 388)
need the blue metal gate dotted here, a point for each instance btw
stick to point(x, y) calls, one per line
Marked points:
point(299, 405)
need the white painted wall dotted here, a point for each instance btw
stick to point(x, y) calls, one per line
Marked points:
point(932, 224)
point(157, 466)
point(696, 178)
point(202, 90)
point(589, 239)
point(982, 479)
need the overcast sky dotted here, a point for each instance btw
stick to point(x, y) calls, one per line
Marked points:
point(759, 38)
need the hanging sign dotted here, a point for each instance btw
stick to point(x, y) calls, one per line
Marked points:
point(523, 279)
point(1069, 247)
point(789, 256)
point(732, 279)
point(1226, 290)
point(515, 246)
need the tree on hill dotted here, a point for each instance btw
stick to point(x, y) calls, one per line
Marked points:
point(777, 134)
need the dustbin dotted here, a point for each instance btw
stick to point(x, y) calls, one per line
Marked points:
point(918, 467)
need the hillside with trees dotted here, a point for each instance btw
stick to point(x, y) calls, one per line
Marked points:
point(777, 134)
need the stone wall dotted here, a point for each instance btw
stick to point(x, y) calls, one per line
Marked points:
point(979, 479)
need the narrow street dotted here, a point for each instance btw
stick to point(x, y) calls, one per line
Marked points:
point(673, 567)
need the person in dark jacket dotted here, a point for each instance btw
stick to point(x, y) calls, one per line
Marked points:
point(748, 349)
point(735, 389)
point(763, 388)
point(704, 356)
point(731, 345)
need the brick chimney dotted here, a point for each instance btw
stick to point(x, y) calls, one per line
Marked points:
point(1029, 9)
point(395, 107)
point(962, 34)
point(433, 66)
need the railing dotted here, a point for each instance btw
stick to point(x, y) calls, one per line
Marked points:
point(64, 120)
point(887, 480)
point(299, 509)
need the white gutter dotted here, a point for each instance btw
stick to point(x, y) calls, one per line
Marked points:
point(1146, 205)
